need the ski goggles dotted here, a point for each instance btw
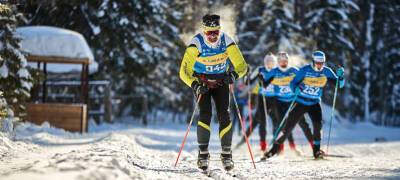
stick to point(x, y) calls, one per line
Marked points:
point(283, 56)
point(211, 33)
point(319, 63)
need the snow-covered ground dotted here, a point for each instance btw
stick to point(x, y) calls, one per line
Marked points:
point(131, 151)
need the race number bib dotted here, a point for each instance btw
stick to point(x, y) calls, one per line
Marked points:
point(285, 90)
point(216, 68)
point(311, 90)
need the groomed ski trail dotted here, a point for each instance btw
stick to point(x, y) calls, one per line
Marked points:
point(131, 151)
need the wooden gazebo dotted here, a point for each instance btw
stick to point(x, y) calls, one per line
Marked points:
point(47, 46)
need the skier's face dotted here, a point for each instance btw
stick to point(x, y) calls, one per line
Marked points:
point(269, 64)
point(318, 65)
point(212, 36)
point(283, 63)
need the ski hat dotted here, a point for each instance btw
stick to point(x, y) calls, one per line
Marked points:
point(283, 56)
point(211, 22)
point(318, 56)
point(269, 58)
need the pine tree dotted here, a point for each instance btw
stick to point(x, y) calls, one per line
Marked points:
point(375, 68)
point(15, 79)
point(269, 27)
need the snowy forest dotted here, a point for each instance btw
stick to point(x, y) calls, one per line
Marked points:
point(139, 44)
point(99, 89)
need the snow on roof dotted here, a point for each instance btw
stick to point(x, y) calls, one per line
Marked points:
point(54, 41)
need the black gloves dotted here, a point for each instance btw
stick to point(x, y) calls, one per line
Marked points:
point(199, 88)
point(230, 77)
point(261, 80)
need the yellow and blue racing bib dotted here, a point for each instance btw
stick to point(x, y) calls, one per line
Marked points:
point(211, 60)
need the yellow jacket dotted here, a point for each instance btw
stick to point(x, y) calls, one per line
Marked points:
point(192, 52)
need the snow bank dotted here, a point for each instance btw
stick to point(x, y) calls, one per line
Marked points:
point(53, 41)
point(5, 143)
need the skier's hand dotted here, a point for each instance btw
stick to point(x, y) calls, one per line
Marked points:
point(230, 78)
point(297, 90)
point(260, 77)
point(199, 88)
point(246, 79)
point(340, 72)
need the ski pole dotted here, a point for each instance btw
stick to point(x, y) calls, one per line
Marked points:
point(333, 110)
point(241, 122)
point(188, 129)
point(249, 108)
point(265, 106)
point(291, 107)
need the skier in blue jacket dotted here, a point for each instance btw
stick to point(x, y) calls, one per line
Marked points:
point(280, 77)
point(308, 85)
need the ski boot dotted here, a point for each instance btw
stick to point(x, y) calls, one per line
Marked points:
point(227, 162)
point(317, 152)
point(272, 152)
point(203, 160)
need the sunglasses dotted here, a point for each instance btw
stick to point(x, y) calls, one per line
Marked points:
point(210, 33)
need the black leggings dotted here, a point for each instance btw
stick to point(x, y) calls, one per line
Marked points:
point(260, 117)
point(296, 115)
point(282, 108)
point(220, 95)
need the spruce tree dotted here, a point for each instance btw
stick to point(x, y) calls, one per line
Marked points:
point(15, 79)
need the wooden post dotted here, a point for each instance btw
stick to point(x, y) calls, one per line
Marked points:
point(144, 110)
point(85, 90)
point(107, 103)
point(44, 86)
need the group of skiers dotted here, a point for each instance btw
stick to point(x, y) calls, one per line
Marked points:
point(213, 62)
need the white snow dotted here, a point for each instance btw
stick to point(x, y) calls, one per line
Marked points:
point(53, 41)
point(23, 73)
point(4, 71)
point(128, 150)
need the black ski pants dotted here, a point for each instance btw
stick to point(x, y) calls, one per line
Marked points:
point(296, 115)
point(220, 95)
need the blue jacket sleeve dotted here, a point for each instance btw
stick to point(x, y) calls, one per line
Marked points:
point(268, 77)
point(332, 76)
point(297, 79)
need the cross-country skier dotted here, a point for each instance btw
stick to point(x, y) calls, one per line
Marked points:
point(268, 93)
point(280, 77)
point(309, 83)
point(206, 68)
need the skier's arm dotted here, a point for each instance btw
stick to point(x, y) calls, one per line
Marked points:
point(254, 75)
point(297, 79)
point(188, 61)
point(237, 60)
point(268, 77)
point(333, 77)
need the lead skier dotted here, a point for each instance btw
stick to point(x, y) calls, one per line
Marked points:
point(212, 62)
